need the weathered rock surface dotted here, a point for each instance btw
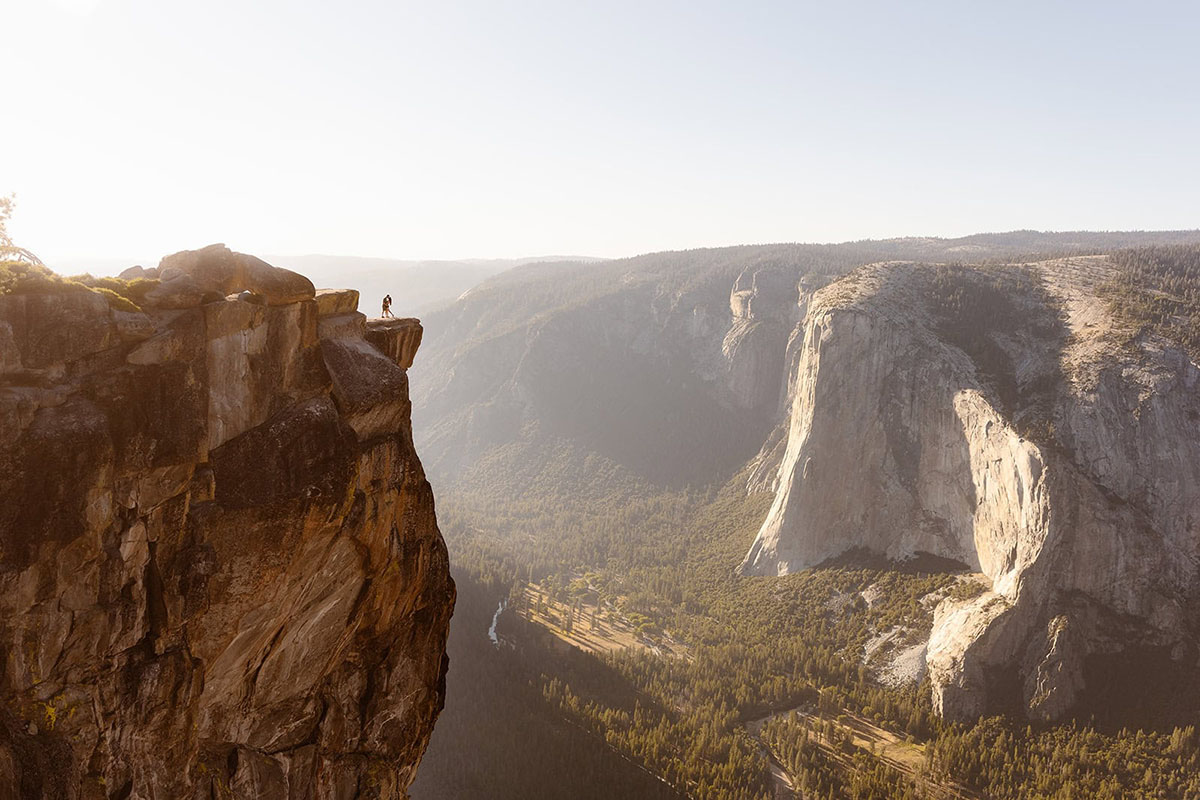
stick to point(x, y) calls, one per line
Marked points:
point(1063, 468)
point(336, 301)
point(398, 339)
point(220, 571)
point(138, 271)
point(191, 276)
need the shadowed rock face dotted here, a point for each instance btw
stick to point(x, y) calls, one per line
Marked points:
point(220, 571)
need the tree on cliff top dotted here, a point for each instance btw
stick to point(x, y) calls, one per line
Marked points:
point(6, 209)
point(21, 272)
point(9, 252)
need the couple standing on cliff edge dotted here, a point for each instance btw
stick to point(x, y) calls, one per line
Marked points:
point(387, 307)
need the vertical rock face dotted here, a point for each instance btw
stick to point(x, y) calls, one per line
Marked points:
point(1027, 446)
point(762, 306)
point(220, 571)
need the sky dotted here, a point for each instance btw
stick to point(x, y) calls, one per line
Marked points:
point(449, 129)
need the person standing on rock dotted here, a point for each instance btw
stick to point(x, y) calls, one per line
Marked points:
point(387, 306)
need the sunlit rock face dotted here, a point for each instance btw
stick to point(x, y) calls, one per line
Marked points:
point(220, 570)
point(1030, 448)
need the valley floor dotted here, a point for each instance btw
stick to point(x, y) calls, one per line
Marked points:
point(662, 673)
point(590, 624)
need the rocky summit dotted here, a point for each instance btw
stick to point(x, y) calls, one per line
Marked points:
point(220, 571)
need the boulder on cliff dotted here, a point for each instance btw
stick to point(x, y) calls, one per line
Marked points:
point(190, 277)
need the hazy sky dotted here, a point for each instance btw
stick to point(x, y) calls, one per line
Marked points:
point(450, 129)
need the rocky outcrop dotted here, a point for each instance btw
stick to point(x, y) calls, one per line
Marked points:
point(218, 270)
point(397, 338)
point(138, 271)
point(1013, 437)
point(220, 571)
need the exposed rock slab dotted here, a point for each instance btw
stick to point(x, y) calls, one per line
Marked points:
point(190, 277)
point(398, 339)
point(350, 325)
point(336, 301)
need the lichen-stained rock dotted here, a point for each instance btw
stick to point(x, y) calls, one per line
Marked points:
point(55, 482)
point(50, 330)
point(132, 326)
point(220, 570)
point(398, 339)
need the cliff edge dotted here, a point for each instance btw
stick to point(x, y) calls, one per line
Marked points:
point(220, 571)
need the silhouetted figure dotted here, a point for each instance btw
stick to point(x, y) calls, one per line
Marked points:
point(387, 306)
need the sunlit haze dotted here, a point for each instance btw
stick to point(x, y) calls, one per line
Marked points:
point(483, 129)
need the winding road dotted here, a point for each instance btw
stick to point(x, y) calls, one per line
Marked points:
point(784, 788)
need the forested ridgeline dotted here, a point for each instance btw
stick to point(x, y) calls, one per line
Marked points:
point(1157, 288)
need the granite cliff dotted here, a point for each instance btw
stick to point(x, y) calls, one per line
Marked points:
point(220, 571)
point(999, 417)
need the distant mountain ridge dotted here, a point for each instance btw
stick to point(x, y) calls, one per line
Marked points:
point(579, 385)
point(416, 286)
point(661, 326)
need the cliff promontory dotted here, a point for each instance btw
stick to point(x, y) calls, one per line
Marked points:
point(220, 571)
